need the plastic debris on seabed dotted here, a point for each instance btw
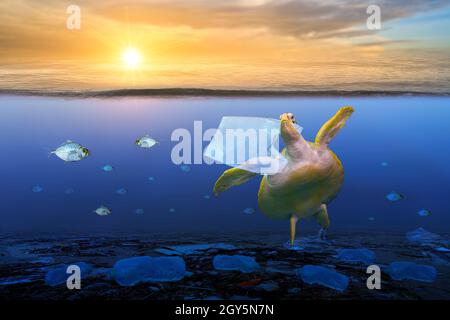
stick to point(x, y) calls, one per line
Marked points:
point(360, 255)
point(422, 236)
point(323, 276)
point(131, 271)
point(241, 263)
point(194, 248)
point(405, 270)
point(248, 143)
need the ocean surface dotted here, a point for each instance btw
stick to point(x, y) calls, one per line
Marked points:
point(390, 144)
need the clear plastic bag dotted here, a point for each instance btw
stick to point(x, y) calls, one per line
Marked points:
point(249, 143)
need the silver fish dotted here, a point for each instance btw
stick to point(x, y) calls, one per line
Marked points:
point(71, 151)
point(102, 211)
point(146, 142)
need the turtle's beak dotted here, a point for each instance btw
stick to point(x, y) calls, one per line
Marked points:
point(288, 117)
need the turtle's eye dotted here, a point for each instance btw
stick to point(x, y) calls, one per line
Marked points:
point(291, 116)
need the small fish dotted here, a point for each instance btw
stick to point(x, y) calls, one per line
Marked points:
point(424, 213)
point(69, 191)
point(70, 151)
point(37, 189)
point(139, 211)
point(151, 178)
point(384, 164)
point(371, 219)
point(107, 168)
point(121, 191)
point(249, 210)
point(185, 168)
point(103, 211)
point(394, 196)
point(207, 197)
point(172, 210)
point(146, 142)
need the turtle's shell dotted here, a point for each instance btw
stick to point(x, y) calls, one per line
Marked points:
point(302, 186)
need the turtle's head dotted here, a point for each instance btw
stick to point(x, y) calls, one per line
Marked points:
point(288, 117)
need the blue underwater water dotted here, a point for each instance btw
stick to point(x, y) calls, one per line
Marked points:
point(389, 143)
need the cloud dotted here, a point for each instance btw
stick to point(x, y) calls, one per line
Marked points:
point(307, 19)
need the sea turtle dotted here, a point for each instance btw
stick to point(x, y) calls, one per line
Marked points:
point(311, 179)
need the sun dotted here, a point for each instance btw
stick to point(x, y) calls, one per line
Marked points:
point(132, 58)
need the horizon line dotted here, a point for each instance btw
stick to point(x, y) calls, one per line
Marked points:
point(203, 92)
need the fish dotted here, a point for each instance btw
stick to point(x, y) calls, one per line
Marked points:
point(37, 189)
point(146, 142)
point(394, 196)
point(103, 211)
point(121, 191)
point(71, 151)
point(107, 168)
point(424, 213)
point(185, 168)
point(249, 210)
point(139, 211)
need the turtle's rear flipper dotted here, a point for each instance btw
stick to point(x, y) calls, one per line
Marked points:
point(293, 222)
point(323, 220)
point(230, 178)
point(331, 128)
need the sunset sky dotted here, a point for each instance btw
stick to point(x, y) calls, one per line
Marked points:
point(282, 44)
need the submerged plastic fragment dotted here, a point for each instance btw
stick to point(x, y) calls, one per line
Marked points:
point(323, 276)
point(405, 270)
point(58, 275)
point(241, 263)
point(361, 255)
point(249, 143)
point(194, 248)
point(422, 236)
point(131, 271)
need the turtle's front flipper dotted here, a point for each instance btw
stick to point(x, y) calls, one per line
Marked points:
point(333, 126)
point(230, 178)
point(323, 220)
